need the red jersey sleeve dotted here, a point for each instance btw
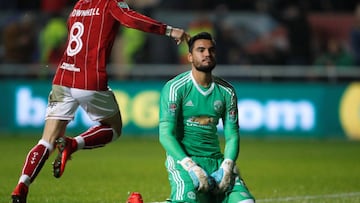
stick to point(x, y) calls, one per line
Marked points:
point(120, 10)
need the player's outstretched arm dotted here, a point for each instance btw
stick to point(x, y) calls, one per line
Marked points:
point(132, 19)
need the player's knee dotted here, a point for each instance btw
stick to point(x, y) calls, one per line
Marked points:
point(117, 130)
point(116, 133)
point(115, 123)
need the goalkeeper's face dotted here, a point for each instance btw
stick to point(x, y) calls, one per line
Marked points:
point(203, 55)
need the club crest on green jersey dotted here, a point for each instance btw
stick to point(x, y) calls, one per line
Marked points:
point(218, 106)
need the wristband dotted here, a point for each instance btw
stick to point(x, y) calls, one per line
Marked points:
point(187, 163)
point(168, 30)
point(228, 164)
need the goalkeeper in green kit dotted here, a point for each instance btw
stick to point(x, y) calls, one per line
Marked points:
point(191, 106)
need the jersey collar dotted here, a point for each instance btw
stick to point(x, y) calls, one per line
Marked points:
point(205, 93)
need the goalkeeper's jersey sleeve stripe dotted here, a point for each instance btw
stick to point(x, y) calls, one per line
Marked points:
point(175, 86)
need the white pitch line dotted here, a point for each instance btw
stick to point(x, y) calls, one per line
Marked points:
point(326, 196)
point(308, 197)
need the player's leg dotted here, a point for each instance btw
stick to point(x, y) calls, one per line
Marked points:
point(36, 158)
point(60, 110)
point(209, 165)
point(182, 187)
point(101, 106)
point(100, 135)
point(239, 193)
point(63, 154)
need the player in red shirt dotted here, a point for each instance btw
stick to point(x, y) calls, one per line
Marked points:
point(81, 80)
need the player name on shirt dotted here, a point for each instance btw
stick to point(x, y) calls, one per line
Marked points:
point(87, 12)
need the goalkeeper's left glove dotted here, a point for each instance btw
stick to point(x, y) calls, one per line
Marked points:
point(223, 175)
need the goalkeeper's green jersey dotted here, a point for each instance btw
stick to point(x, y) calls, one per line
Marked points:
point(190, 113)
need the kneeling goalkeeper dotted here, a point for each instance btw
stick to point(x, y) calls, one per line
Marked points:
point(191, 106)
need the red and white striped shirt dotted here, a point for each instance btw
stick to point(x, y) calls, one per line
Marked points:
point(92, 28)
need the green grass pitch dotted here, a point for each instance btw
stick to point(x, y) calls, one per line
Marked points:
point(275, 170)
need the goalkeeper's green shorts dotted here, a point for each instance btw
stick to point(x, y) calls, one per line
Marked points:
point(182, 187)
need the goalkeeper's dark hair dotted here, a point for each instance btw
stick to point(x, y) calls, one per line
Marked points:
point(201, 35)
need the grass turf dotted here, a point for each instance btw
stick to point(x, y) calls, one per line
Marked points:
point(275, 170)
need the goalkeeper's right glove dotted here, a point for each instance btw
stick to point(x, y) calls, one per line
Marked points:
point(198, 175)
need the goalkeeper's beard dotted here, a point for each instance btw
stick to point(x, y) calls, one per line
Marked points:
point(205, 69)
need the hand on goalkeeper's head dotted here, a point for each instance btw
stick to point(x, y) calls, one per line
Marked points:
point(178, 34)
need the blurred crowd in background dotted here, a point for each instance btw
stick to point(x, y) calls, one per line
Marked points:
point(321, 33)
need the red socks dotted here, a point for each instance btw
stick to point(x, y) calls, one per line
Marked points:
point(33, 163)
point(36, 159)
point(97, 136)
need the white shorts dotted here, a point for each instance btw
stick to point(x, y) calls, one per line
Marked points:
point(64, 101)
